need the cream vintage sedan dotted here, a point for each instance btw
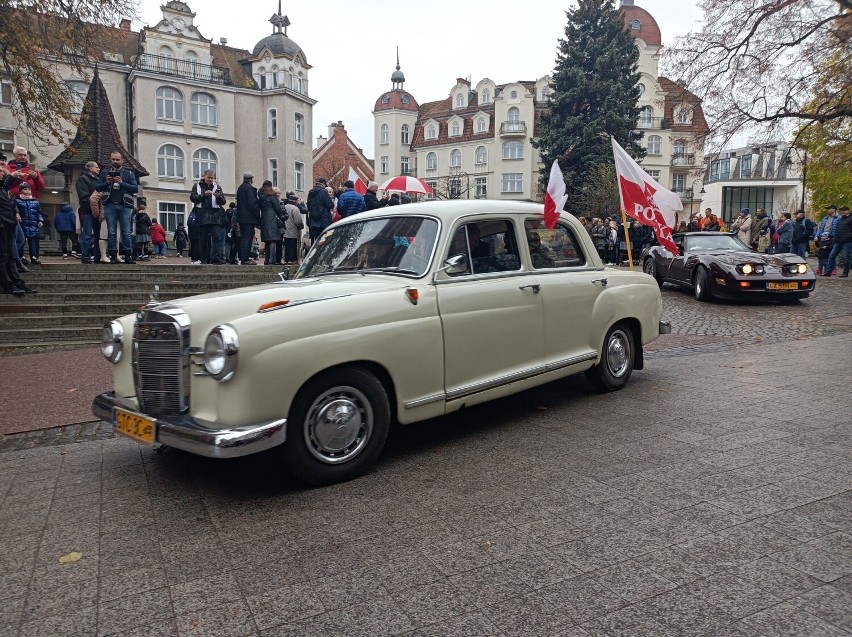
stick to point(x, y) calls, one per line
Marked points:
point(396, 315)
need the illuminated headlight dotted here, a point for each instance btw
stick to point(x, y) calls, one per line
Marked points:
point(801, 268)
point(747, 269)
point(112, 338)
point(220, 352)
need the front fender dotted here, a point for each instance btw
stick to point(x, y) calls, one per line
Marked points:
point(639, 301)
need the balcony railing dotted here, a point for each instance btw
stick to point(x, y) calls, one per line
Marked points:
point(513, 128)
point(650, 123)
point(181, 68)
point(683, 160)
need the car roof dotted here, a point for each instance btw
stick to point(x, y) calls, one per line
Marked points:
point(449, 211)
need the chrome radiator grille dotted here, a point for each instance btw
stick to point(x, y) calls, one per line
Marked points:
point(161, 360)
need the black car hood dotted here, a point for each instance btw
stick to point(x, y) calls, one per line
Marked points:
point(772, 260)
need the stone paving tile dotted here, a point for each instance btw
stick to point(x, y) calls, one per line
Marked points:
point(828, 558)
point(376, 617)
point(225, 620)
point(787, 620)
point(829, 604)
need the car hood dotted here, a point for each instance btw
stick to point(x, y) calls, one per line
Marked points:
point(772, 260)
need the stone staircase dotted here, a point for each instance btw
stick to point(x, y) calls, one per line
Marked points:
point(75, 301)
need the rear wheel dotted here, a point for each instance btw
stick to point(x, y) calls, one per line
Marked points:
point(617, 359)
point(702, 284)
point(337, 427)
point(650, 267)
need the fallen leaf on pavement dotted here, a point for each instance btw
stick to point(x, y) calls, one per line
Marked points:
point(71, 391)
point(73, 556)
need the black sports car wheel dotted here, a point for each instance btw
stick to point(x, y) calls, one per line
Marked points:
point(337, 427)
point(702, 284)
point(650, 267)
point(617, 358)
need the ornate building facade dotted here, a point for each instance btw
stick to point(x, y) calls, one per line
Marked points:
point(184, 104)
point(336, 154)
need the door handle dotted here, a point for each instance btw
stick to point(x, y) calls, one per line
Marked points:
point(535, 287)
point(603, 281)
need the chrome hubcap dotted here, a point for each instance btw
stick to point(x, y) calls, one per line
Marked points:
point(649, 267)
point(618, 354)
point(338, 425)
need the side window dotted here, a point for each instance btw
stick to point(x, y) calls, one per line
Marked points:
point(557, 248)
point(490, 246)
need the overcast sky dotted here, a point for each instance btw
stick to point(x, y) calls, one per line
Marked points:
point(352, 45)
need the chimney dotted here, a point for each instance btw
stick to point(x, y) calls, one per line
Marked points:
point(331, 129)
point(223, 41)
point(124, 25)
point(461, 80)
point(321, 140)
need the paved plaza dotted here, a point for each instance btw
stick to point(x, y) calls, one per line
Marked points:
point(712, 496)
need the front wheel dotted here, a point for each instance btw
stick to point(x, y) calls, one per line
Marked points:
point(337, 427)
point(650, 267)
point(617, 359)
point(702, 285)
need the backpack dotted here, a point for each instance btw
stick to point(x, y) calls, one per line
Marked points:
point(192, 220)
point(800, 233)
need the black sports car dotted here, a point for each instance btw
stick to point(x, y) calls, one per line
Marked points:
point(718, 264)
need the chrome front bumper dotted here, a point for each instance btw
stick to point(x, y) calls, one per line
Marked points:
point(665, 327)
point(201, 438)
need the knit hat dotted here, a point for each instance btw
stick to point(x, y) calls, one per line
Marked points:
point(744, 211)
point(24, 186)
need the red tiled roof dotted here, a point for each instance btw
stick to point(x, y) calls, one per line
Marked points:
point(649, 30)
point(395, 101)
point(677, 94)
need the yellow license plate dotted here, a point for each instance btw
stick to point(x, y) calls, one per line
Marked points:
point(134, 426)
point(783, 286)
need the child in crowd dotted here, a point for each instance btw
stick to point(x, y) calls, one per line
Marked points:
point(180, 240)
point(143, 233)
point(66, 225)
point(31, 220)
point(158, 238)
point(255, 248)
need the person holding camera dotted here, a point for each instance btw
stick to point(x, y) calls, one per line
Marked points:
point(24, 172)
point(211, 218)
point(118, 185)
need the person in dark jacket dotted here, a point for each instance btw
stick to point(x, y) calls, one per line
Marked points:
point(842, 242)
point(90, 228)
point(320, 206)
point(272, 222)
point(371, 201)
point(394, 199)
point(119, 185)
point(10, 280)
point(248, 216)
point(142, 235)
point(65, 223)
point(785, 233)
point(181, 238)
point(350, 202)
point(211, 218)
point(31, 218)
point(803, 232)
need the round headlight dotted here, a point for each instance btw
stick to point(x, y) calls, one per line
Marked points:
point(747, 269)
point(112, 337)
point(803, 268)
point(759, 269)
point(220, 352)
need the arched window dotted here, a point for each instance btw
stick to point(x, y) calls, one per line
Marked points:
point(635, 25)
point(460, 100)
point(79, 91)
point(204, 110)
point(431, 161)
point(275, 77)
point(166, 52)
point(646, 116)
point(384, 135)
point(406, 99)
point(455, 158)
point(403, 134)
point(204, 159)
point(272, 123)
point(679, 148)
point(431, 132)
point(486, 96)
point(191, 57)
point(684, 115)
point(481, 126)
point(513, 150)
point(481, 156)
point(641, 88)
point(299, 127)
point(169, 104)
point(455, 129)
point(261, 80)
point(170, 161)
point(514, 115)
point(655, 145)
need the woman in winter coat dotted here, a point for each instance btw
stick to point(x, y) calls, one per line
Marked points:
point(272, 220)
point(143, 233)
point(66, 225)
point(784, 230)
point(31, 219)
point(292, 229)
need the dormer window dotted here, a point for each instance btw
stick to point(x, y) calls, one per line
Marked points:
point(486, 96)
point(385, 99)
point(455, 129)
point(431, 132)
point(481, 125)
point(406, 99)
point(684, 115)
point(460, 100)
point(635, 24)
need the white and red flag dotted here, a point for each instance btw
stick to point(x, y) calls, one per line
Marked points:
point(360, 186)
point(555, 197)
point(645, 200)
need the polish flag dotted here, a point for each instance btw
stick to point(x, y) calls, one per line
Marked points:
point(360, 186)
point(645, 200)
point(555, 197)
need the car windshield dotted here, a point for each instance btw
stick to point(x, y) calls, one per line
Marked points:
point(397, 245)
point(714, 243)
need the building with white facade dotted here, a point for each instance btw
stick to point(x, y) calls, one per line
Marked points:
point(763, 175)
point(184, 105)
point(477, 142)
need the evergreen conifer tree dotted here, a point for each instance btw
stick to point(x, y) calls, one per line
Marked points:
point(595, 91)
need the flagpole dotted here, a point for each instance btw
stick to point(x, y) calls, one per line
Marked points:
point(627, 238)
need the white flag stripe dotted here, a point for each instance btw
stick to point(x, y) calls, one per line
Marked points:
point(667, 201)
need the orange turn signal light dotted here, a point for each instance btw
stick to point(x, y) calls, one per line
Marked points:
point(745, 284)
point(413, 295)
point(273, 305)
point(805, 284)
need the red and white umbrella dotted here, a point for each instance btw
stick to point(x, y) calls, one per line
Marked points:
point(406, 183)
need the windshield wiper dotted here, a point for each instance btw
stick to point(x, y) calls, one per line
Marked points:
point(391, 268)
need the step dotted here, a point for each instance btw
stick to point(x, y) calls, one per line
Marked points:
point(11, 310)
point(31, 320)
point(187, 288)
point(25, 335)
point(37, 347)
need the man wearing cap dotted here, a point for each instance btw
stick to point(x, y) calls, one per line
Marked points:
point(842, 242)
point(320, 206)
point(742, 226)
point(248, 216)
point(803, 228)
point(350, 201)
point(824, 237)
